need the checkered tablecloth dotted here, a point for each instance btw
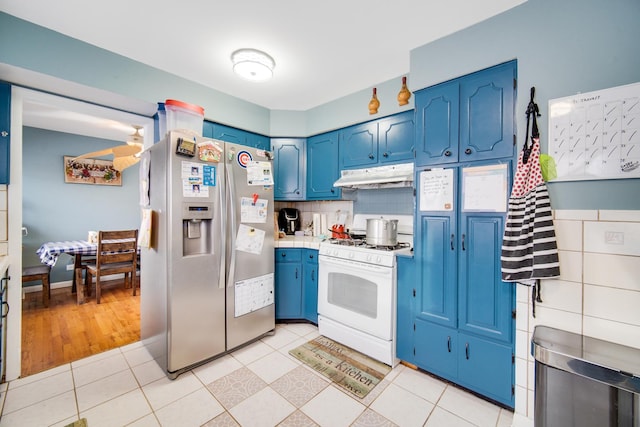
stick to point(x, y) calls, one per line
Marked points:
point(50, 251)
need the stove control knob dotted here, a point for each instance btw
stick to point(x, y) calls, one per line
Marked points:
point(369, 257)
point(378, 259)
point(351, 254)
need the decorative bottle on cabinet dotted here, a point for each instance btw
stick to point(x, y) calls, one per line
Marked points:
point(404, 94)
point(374, 103)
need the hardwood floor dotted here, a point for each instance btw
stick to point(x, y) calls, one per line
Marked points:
point(66, 331)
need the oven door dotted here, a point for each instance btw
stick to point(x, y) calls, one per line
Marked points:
point(358, 295)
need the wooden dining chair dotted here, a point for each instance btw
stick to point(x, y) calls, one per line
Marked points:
point(117, 253)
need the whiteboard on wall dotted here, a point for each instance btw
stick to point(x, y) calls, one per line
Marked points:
point(596, 135)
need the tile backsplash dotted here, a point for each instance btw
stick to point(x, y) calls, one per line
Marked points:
point(597, 294)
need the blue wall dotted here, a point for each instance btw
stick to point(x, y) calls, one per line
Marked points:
point(562, 48)
point(55, 211)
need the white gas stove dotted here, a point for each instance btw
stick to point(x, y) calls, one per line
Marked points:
point(357, 289)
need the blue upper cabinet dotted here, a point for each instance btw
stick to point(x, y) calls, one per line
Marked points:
point(384, 141)
point(5, 127)
point(289, 168)
point(235, 136)
point(396, 138)
point(322, 167)
point(468, 119)
point(359, 145)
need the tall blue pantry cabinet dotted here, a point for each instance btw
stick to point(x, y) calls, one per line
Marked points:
point(462, 313)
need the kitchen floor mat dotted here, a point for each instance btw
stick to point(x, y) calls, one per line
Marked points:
point(349, 369)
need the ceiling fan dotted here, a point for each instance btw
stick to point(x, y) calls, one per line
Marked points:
point(123, 155)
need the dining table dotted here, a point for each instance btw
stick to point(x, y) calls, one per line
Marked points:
point(49, 252)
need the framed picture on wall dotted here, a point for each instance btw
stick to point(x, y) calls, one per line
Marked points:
point(90, 171)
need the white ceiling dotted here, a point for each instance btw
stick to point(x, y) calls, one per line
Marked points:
point(323, 50)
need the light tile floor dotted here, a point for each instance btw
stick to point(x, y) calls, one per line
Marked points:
point(258, 385)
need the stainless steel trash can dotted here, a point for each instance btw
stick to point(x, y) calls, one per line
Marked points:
point(583, 381)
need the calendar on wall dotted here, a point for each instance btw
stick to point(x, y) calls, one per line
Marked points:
point(596, 135)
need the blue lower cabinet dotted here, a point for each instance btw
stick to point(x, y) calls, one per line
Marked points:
point(436, 349)
point(296, 284)
point(310, 286)
point(288, 284)
point(486, 366)
point(404, 318)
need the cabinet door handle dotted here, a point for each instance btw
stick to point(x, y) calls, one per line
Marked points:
point(447, 153)
point(371, 156)
point(452, 238)
point(463, 236)
point(449, 344)
point(333, 191)
point(466, 350)
point(385, 155)
point(5, 313)
point(313, 275)
point(467, 151)
point(283, 254)
point(296, 273)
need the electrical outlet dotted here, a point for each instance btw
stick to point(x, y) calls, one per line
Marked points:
point(70, 267)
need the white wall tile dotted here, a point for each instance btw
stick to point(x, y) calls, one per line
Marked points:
point(522, 317)
point(579, 215)
point(612, 215)
point(531, 375)
point(621, 238)
point(523, 348)
point(568, 235)
point(522, 293)
point(570, 266)
point(3, 226)
point(620, 333)
point(558, 319)
point(619, 305)
point(530, 403)
point(617, 271)
point(561, 295)
point(521, 373)
point(521, 400)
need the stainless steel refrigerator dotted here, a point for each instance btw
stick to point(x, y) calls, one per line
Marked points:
point(207, 277)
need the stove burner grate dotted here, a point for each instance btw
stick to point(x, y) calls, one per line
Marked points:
point(362, 243)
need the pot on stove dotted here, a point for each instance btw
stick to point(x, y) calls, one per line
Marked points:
point(382, 232)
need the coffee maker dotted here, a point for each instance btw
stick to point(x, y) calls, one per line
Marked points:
point(289, 220)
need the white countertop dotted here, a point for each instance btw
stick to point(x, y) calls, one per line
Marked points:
point(308, 242)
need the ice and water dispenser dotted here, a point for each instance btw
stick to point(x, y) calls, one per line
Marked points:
point(196, 228)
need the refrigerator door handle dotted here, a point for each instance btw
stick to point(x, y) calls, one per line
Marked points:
point(232, 238)
point(222, 242)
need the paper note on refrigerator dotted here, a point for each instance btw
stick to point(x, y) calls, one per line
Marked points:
point(250, 239)
point(253, 294)
point(259, 173)
point(253, 212)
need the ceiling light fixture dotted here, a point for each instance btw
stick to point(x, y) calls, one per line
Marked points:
point(253, 64)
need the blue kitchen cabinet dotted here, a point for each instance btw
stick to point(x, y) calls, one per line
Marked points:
point(288, 283)
point(359, 145)
point(289, 168)
point(385, 141)
point(235, 136)
point(404, 317)
point(467, 119)
point(310, 286)
point(463, 310)
point(5, 131)
point(323, 167)
point(396, 136)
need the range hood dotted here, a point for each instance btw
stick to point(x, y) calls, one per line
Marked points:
point(377, 177)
